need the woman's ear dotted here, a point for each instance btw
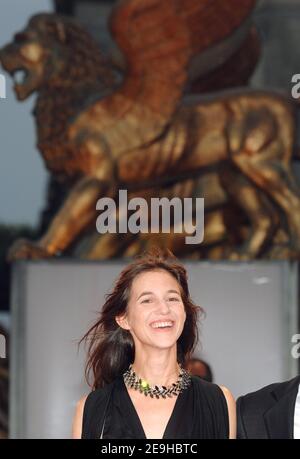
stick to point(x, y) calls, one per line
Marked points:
point(122, 321)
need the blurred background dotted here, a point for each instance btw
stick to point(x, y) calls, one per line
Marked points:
point(251, 315)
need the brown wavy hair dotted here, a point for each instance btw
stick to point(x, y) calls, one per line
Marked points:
point(110, 347)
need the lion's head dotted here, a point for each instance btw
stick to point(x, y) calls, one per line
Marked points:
point(53, 51)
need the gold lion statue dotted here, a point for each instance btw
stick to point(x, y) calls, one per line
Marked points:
point(142, 134)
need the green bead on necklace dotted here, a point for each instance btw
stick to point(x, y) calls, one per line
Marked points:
point(144, 384)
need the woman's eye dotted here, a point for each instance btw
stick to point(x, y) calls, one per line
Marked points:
point(146, 301)
point(174, 299)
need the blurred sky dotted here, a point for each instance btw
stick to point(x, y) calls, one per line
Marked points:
point(22, 173)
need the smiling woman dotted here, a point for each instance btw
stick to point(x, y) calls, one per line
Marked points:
point(137, 352)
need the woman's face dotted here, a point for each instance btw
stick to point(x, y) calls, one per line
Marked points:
point(155, 312)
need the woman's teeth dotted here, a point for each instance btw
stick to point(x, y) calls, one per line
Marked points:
point(162, 324)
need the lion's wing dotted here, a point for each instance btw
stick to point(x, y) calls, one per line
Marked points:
point(158, 39)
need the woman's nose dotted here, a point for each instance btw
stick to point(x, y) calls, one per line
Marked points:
point(163, 307)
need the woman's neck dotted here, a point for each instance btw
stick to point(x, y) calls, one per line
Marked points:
point(160, 369)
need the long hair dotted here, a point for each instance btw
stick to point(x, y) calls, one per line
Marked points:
point(110, 347)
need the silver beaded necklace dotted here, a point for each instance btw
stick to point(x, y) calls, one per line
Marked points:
point(133, 381)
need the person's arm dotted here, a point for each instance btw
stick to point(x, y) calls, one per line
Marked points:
point(231, 405)
point(77, 421)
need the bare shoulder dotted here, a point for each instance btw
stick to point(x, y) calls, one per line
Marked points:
point(77, 421)
point(231, 410)
point(228, 395)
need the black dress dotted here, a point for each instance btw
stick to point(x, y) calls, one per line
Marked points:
point(200, 412)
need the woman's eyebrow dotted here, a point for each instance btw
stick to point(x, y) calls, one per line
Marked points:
point(150, 293)
point(173, 291)
point(144, 293)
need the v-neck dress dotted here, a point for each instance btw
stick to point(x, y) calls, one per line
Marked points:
point(200, 412)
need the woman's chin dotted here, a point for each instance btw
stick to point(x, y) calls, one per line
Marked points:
point(164, 342)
